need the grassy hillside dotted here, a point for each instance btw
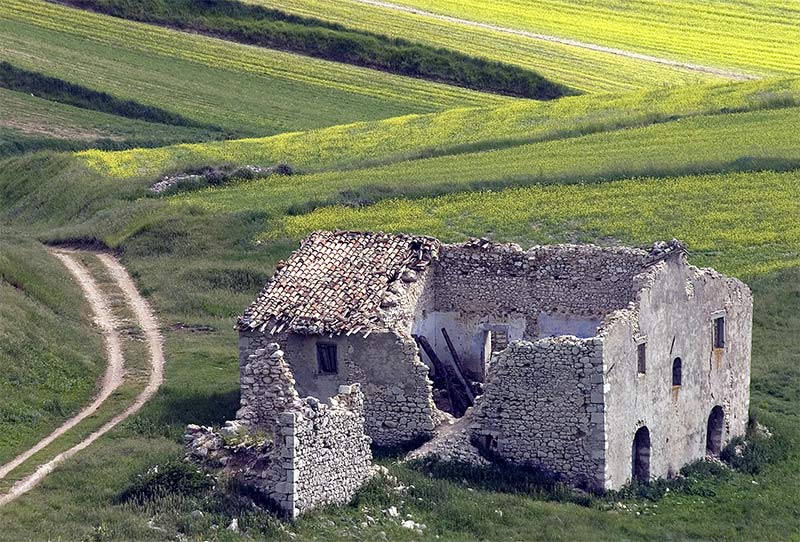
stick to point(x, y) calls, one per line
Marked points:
point(585, 70)
point(754, 36)
point(268, 27)
point(245, 90)
point(50, 356)
point(715, 165)
point(741, 223)
point(32, 123)
point(455, 131)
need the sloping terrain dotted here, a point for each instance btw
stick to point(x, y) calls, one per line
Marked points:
point(245, 90)
point(754, 36)
point(714, 164)
point(579, 68)
point(455, 131)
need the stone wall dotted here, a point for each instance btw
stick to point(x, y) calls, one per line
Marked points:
point(267, 386)
point(673, 317)
point(398, 405)
point(323, 454)
point(300, 453)
point(543, 406)
point(547, 290)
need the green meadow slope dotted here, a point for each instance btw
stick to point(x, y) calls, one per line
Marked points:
point(50, 356)
point(32, 123)
point(582, 69)
point(245, 90)
point(717, 165)
point(739, 217)
point(455, 131)
point(754, 36)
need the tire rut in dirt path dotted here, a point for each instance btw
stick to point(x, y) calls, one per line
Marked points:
point(114, 375)
point(710, 70)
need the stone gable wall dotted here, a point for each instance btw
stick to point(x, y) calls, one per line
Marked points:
point(574, 279)
point(543, 406)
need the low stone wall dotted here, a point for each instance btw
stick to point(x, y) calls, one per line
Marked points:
point(326, 455)
point(543, 406)
point(300, 453)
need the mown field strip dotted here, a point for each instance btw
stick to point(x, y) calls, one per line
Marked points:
point(758, 37)
point(582, 69)
point(737, 76)
point(455, 131)
point(251, 90)
point(746, 222)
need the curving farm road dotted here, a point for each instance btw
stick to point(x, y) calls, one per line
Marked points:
point(114, 375)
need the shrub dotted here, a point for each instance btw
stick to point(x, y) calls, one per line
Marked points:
point(174, 477)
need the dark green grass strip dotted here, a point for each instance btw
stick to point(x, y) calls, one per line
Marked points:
point(256, 25)
point(58, 90)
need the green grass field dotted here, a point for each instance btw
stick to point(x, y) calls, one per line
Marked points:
point(50, 356)
point(757, 36)
point(31, 123)
point(717, 165)
point(588, 71)
point(455, 131)
point(248, 91)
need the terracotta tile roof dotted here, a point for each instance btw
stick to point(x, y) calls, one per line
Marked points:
point(335, 282)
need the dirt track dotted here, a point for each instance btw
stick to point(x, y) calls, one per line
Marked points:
point(735, 76)
point(114, 375)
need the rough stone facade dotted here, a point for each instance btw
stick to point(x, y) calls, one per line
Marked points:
point(299, 453)
point(575, 345)
point(544, 406)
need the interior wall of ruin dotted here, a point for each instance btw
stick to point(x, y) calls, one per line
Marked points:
point(546, 291)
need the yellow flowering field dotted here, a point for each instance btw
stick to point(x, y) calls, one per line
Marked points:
point(407, 137)
point(756, 36)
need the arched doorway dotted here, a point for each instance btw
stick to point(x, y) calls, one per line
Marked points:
point(716, 421)
point(641, 455)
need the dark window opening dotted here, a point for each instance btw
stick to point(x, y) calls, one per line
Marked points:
point(326, 358)
point(490, 443)
point(676, 372)
point(719, 332)
point(641, 354)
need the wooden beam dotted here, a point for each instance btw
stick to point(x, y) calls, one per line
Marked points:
point(457, 366)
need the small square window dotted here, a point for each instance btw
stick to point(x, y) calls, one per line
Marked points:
point(719, 332)
point(326, 358)
point(641, 355)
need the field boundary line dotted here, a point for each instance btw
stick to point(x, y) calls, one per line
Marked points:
point(114, 373)
point(710, 70)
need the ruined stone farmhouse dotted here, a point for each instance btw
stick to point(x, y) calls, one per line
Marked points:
point(596, 364)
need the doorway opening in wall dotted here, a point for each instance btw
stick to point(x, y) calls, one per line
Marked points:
point(641, 455)
point(716, 422)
